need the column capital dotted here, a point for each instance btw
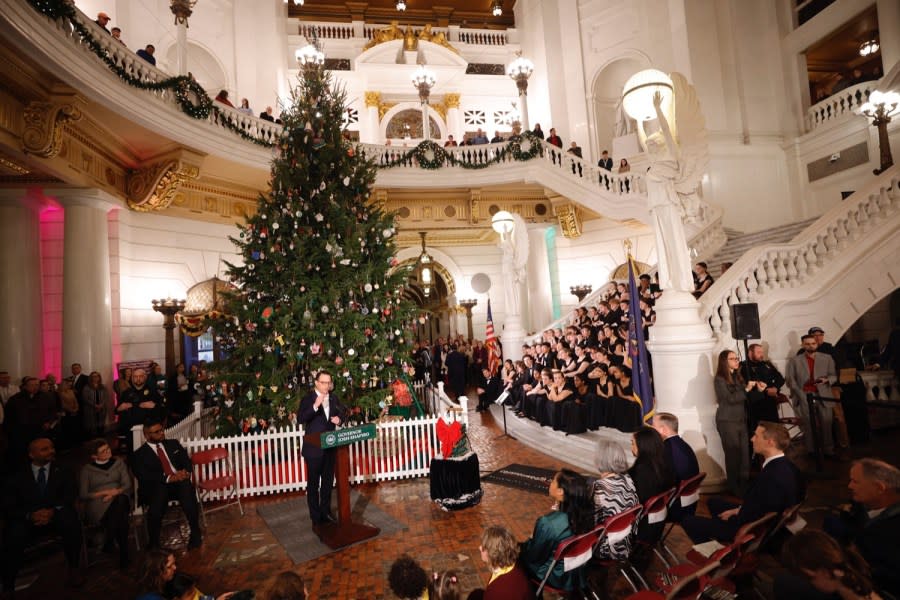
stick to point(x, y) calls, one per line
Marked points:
point(24, 198)
point(92, 197)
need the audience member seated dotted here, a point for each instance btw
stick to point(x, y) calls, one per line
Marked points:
point(535, 404)
point(445, 586)
point(559, 392)
point(613, 493)
point(157, 570)
point(137, 404)
point(872, 522)
point(779, 486)
point(147, 54)
point(680, 455)
point(106, 491)
point(576, 409)
point(39, 499)
point(408, 579)
point(183, 587)
point(623, 412)
point(819, 569)
point(500, 551)
point(489, 389)
point(651, 472)
point(287, 585)
point(573, 516)
point(163, 470)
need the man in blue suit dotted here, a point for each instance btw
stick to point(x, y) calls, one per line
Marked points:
point(778, 487)
point(320, 411)
point(681, 455)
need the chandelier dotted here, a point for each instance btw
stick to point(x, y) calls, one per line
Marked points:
point(309, 56)
point(497, 7)
point(182, 9)
point(401, 5)
point(296, 2)
point(869, 47)
point(425, 268)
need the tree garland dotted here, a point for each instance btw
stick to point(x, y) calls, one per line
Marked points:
point(431, 156)
point(190, 96)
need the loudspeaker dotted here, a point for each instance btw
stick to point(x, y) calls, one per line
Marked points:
point(745, 321)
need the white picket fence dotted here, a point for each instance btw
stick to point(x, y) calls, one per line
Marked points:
point(271, 462)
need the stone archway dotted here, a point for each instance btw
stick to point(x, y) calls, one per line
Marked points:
point(438, 125)
point(606, 92)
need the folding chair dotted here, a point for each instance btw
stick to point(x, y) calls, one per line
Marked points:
point(214, 476)
point(686, 588)
point(724, 559)
point(687, 494)
point(655, 511)
point(616, 528)
point(752, 535)
point(574, 552)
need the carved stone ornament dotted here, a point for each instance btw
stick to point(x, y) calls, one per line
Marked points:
point(373, 99)
point(451, 100)
point(569, 222)
point(154, 188)
point(44, 121)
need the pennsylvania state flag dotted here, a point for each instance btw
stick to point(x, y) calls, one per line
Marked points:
point(637, 349)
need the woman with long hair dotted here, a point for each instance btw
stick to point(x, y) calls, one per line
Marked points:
point(815, 559)
point(157, 570)
point(652, 474)
point(574, 515)
point(731, 419)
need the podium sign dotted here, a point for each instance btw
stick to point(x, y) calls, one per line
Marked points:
point(346, 436)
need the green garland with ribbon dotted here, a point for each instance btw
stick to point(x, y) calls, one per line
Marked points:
point(431, 156)
point(191, 97)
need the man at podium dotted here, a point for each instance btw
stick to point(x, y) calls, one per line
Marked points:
point(320, 411)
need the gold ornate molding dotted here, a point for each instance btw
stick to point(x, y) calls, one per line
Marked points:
point(410, 39)
point(153, 188)
point(44, 122)
point(569, 222)
point(451, 100)
point(373, 99)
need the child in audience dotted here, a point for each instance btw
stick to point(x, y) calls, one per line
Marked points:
point(446, 586)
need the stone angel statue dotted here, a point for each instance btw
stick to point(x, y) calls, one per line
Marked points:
point(515, 261)
point(678, 154)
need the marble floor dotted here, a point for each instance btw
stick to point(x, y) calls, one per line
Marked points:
point(241, 552)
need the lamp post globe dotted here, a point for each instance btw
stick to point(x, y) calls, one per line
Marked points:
point(502, 222)
point(637, 95)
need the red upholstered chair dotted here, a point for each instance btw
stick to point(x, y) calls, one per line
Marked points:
point(687, 494)
point(724, 561)
point(575, 553)
point(654, 511)
point(687, 588)
point(214, 476)
point(616, 527)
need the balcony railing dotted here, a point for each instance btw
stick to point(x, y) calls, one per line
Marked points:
point(839, 104)
point(347, 31)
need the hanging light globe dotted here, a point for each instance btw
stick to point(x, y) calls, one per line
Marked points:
point(637, 95)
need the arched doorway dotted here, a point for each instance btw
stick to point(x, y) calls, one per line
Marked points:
point(436, 309)
point(606, 93)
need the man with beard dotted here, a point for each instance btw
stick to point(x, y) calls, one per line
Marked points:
point(137, 404)
point(763, 400)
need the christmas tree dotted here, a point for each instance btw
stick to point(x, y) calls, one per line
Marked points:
point(317, 289)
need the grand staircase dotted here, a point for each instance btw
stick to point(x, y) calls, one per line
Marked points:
point(738, 243)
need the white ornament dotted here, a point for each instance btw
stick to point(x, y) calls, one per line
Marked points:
point(367, 287)
point(319, 217)
point(346, 181)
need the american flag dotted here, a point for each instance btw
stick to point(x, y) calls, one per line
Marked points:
point(490, 342)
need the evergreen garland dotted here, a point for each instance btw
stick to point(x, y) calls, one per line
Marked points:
point(429, 155)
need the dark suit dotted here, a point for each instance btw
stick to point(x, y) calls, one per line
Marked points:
point(778, 487)
point(155, 492)
point(319, 463)
point(760, 405)
point(877, 539)
point(492, 388)
point(685, 466)
point(456, 372)
point(21, 497)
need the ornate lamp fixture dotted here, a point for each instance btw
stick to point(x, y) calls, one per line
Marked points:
point(581, 291)
point(497, 10)
point(869, 47)
point(519, 71)
point(423, 80)
point(182, 9)
point(502, 222)
point(401, 5)
point(637, 97)
point(309, 57)
point(425, 268)
point(880, 108)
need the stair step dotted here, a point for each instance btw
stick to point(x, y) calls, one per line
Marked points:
point(739, 243)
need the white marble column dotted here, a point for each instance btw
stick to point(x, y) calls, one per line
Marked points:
point(682, 371)
point(889, 32)
point(454, 117)
point(87, 311)
point(370, 130)
point(20, 280)
point(540, 302)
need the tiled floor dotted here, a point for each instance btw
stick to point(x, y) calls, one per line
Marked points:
point(241, 552)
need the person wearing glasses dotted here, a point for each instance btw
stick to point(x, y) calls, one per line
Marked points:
point(320, 411)
point(731, 419)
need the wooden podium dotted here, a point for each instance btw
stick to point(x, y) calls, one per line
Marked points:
point(345, 532)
